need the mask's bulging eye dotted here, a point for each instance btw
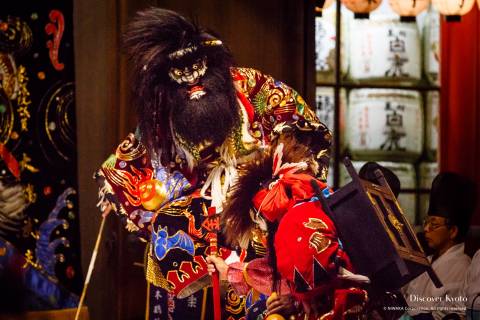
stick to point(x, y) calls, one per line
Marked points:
point(189, 74)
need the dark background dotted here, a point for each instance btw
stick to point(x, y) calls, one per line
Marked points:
point(55, 161)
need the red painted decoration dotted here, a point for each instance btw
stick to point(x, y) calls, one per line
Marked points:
point(70, 272)
point(55, 28)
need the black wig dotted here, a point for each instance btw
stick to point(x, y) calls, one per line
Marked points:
point(150, 40)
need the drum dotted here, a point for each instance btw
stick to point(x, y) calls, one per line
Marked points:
point(385, 50)
point(385, 124)
point(427, 172)
point(405, 173)
point(432, 125)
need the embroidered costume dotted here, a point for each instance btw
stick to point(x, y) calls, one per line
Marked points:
point(200, 121)
point(305, 254)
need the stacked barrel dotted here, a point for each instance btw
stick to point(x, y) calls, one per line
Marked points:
point(388, 96)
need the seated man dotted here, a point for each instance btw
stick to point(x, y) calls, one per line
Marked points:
point(452, 201)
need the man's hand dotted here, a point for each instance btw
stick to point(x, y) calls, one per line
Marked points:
point(217, 264)
point(284, 305)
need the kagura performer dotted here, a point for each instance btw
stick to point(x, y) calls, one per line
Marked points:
point(200, 119)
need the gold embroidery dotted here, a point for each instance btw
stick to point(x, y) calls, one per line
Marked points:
point(25, 164)
point(154, 274)
point(29, 193)
point(234, 304)
point(258, 242)
point(131, 182)
point(29, 260)
point(319, 242)
point(396, 224)
point(315, 224)
point(130, 226)
point(130, 149)
point(23, 100)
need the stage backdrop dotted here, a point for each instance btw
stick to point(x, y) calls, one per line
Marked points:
point(37, 124)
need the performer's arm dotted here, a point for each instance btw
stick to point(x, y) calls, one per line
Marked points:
point(243, 276)
point(232, 273)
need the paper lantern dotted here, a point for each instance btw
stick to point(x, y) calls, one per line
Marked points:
point(321, 5)
point(408, 9)
point(361, 8)
point(453, 9)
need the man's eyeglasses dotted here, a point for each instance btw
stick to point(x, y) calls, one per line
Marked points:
point(429, 225)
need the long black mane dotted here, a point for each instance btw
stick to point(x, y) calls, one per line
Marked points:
point(150, 37)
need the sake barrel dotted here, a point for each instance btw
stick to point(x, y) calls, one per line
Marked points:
point(325, 106)
point(432, 125)
point(431, 46)
point(384, 49)
point(330, 176)
point(325, 47)
point(325, 110)
point(385, 124)
point(427, 172)
point(405, 173)
point(408, 180)
point(325, 42)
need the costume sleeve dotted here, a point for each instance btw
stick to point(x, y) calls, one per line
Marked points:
point(452, 277)
point(255, 274)
point(273, 102)
point(236, 278)
point(135, 190)
point(108, 195)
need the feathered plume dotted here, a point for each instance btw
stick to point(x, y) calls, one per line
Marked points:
point(257, 175)
point(236, 216)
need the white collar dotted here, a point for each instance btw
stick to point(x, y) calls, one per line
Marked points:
point(452, 251)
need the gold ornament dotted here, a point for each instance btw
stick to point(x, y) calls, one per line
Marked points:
point(274, 316)
point(152, 194)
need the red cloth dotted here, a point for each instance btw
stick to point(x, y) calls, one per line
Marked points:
point(274, 202)
point(306, 233)
point(460, 98)
point(348, 304)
